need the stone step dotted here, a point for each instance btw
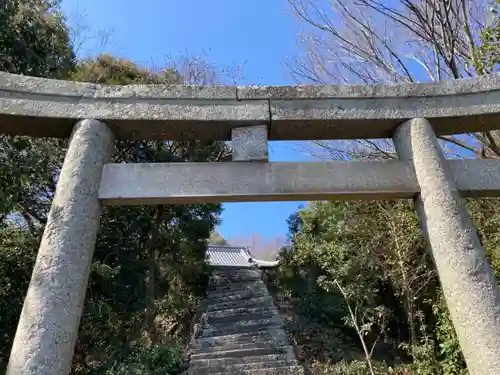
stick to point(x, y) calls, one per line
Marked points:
point(235, 280)
point(275, 319)
point(231, 361)
point(262, 301)
point(287, 370)
point(229, 285)
point(237, 317)
point(242, 352)
point(256, 288)
point(221, 282)
point(228, 297)
point(276, 345)
point(235, 369)
point(218, 282)
point(244, 333)
point(263, 336)
point(236, 274)
point(234, 296)
point(236, 288)
point(236, 271)
point(229, 330)
point(242, 311)
point(239, 271)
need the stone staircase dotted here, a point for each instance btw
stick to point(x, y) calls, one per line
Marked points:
point(243, 332)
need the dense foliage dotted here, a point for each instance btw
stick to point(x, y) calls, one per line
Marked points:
point(34, 39)
point(364, 291)
point(488, 50)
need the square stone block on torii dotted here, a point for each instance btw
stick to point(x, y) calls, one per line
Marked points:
point(93, 116)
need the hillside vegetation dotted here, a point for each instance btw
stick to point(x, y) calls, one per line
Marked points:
point(358, 287)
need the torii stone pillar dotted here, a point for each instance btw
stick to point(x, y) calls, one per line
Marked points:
point(48, 326)
point(471, 292)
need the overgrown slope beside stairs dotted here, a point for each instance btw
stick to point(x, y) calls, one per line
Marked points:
point(243, 333)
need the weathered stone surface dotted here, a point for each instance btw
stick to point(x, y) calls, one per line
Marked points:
point(252, 302)
point(43, 86)
point(217, 182)
point(260, 321)
point(375, 111)
point(242, 351)
point(238, 295)
point(48, 325)
point(234, 287)
point(235, 276)
point(475, 178)
point(265, 336)
point(224, 286)
point(253, 287)
point(288, 370)
point(157, 183)
point(451, 87)
point(229, 330)
point(471, 292)
point(246, 338)
point(240, 311)
point(378, 117)
point(44, 107)
point(235, 369)
point(214, 362)
point(237, 347)
point(40, 107)
point(173, 119)
point(225, 319)
point(250, 143)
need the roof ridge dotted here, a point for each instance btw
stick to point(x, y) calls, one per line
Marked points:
point(224, 255)
point(225, 246)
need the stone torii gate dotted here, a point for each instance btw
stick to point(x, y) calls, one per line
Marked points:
point(95, 115)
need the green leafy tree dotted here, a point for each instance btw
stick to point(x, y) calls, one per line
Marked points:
point(360, 272)
point(34, 41)
point(149, 269)
point(489, 48)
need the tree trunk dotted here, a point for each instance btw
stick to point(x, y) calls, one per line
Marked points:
point(152, 247)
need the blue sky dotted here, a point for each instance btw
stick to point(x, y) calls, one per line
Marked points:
point(258, 35)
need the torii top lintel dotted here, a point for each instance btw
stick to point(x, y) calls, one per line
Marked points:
point(49, 108)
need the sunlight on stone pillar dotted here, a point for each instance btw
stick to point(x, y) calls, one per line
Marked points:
point(48, 326)
point(471, 292)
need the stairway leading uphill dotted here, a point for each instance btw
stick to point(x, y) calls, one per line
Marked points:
point(243, 333)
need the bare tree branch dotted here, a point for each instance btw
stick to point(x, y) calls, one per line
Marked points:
point(393, 41)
